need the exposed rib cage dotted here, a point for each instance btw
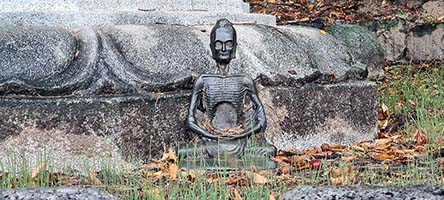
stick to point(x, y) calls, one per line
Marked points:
point(218, 89)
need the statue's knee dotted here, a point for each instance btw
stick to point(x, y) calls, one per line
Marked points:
point(266, 151)
point(190, 152)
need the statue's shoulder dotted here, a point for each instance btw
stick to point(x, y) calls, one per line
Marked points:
point(247, 80)
point(240, 77)
point(210, 76)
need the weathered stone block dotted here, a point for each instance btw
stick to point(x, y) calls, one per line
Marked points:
point(402, 43)
point(56, 193)
point(140, 126)
point(363, 45)
point(392, 38)
point(363, 192)
point(309, 116)
point(426, 43)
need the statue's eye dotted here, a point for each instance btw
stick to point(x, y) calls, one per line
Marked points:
point(229, 44)
point(218, 45)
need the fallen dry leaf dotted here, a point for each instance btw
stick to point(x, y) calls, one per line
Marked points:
point(266, 173)
point(383, 141)
point(257, 178)
point(157, 175)
point(382, 147)
point(420, 149)
point(421, 138)
point(366, 144)
point(358, 148)
point(440, 140)
point(213, 179)
point(173, 170)
point(236, 195)
point(383, 117)
point(155, 194)
point(313, 151)
point(348, 158)
point(272, 196)
point(337, 147)
point(232, 181)
point(282, 159)
point(284, 169)
point(383, 112)
point(150, 166)
point(403, 151)
point(94, 179)
point(325, 147)
point(169, 156)
point(343, 175)
point(38, 170)
point(383, 156)
point(300, 163)
point(194, 172)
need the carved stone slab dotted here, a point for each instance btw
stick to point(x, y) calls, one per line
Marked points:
point(131, 84)
point(133, 59)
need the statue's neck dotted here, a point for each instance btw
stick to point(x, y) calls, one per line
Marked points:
point(223, 69)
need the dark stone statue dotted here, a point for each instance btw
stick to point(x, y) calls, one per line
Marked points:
point(225, 112)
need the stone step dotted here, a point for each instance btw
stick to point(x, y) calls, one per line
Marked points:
point(233, 6)
point(142, 126)
point(103, 18)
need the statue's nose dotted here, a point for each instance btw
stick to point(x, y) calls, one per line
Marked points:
point(224, 47)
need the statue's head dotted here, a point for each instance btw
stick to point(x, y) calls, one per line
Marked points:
point(223, 42)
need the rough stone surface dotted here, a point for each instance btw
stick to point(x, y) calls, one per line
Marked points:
point(392, 38)
point(363, 45)
point(133, 59)
point(426, 43)
point(62, 150)
point(140, 126)
point(403, 44)
point(108, 18)
point(97, 5)
point(115, 12)
point(307, 117)
point(64, 193)
point(358, 192)
point(298, 118)
point(433, 9)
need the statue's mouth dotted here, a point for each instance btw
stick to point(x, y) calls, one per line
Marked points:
point(225, 55)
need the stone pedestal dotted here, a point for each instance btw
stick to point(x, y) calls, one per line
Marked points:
point(117, 12)
point(129, 85)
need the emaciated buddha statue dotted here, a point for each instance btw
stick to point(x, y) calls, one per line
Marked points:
point(225, 111)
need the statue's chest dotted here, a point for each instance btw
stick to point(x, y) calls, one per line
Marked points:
point(223, 99)
point(217, 90)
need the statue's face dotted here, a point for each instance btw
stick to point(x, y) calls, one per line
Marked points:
point(223, 45)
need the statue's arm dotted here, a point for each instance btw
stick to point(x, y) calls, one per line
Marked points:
point(259, 109)
point(191, 120)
